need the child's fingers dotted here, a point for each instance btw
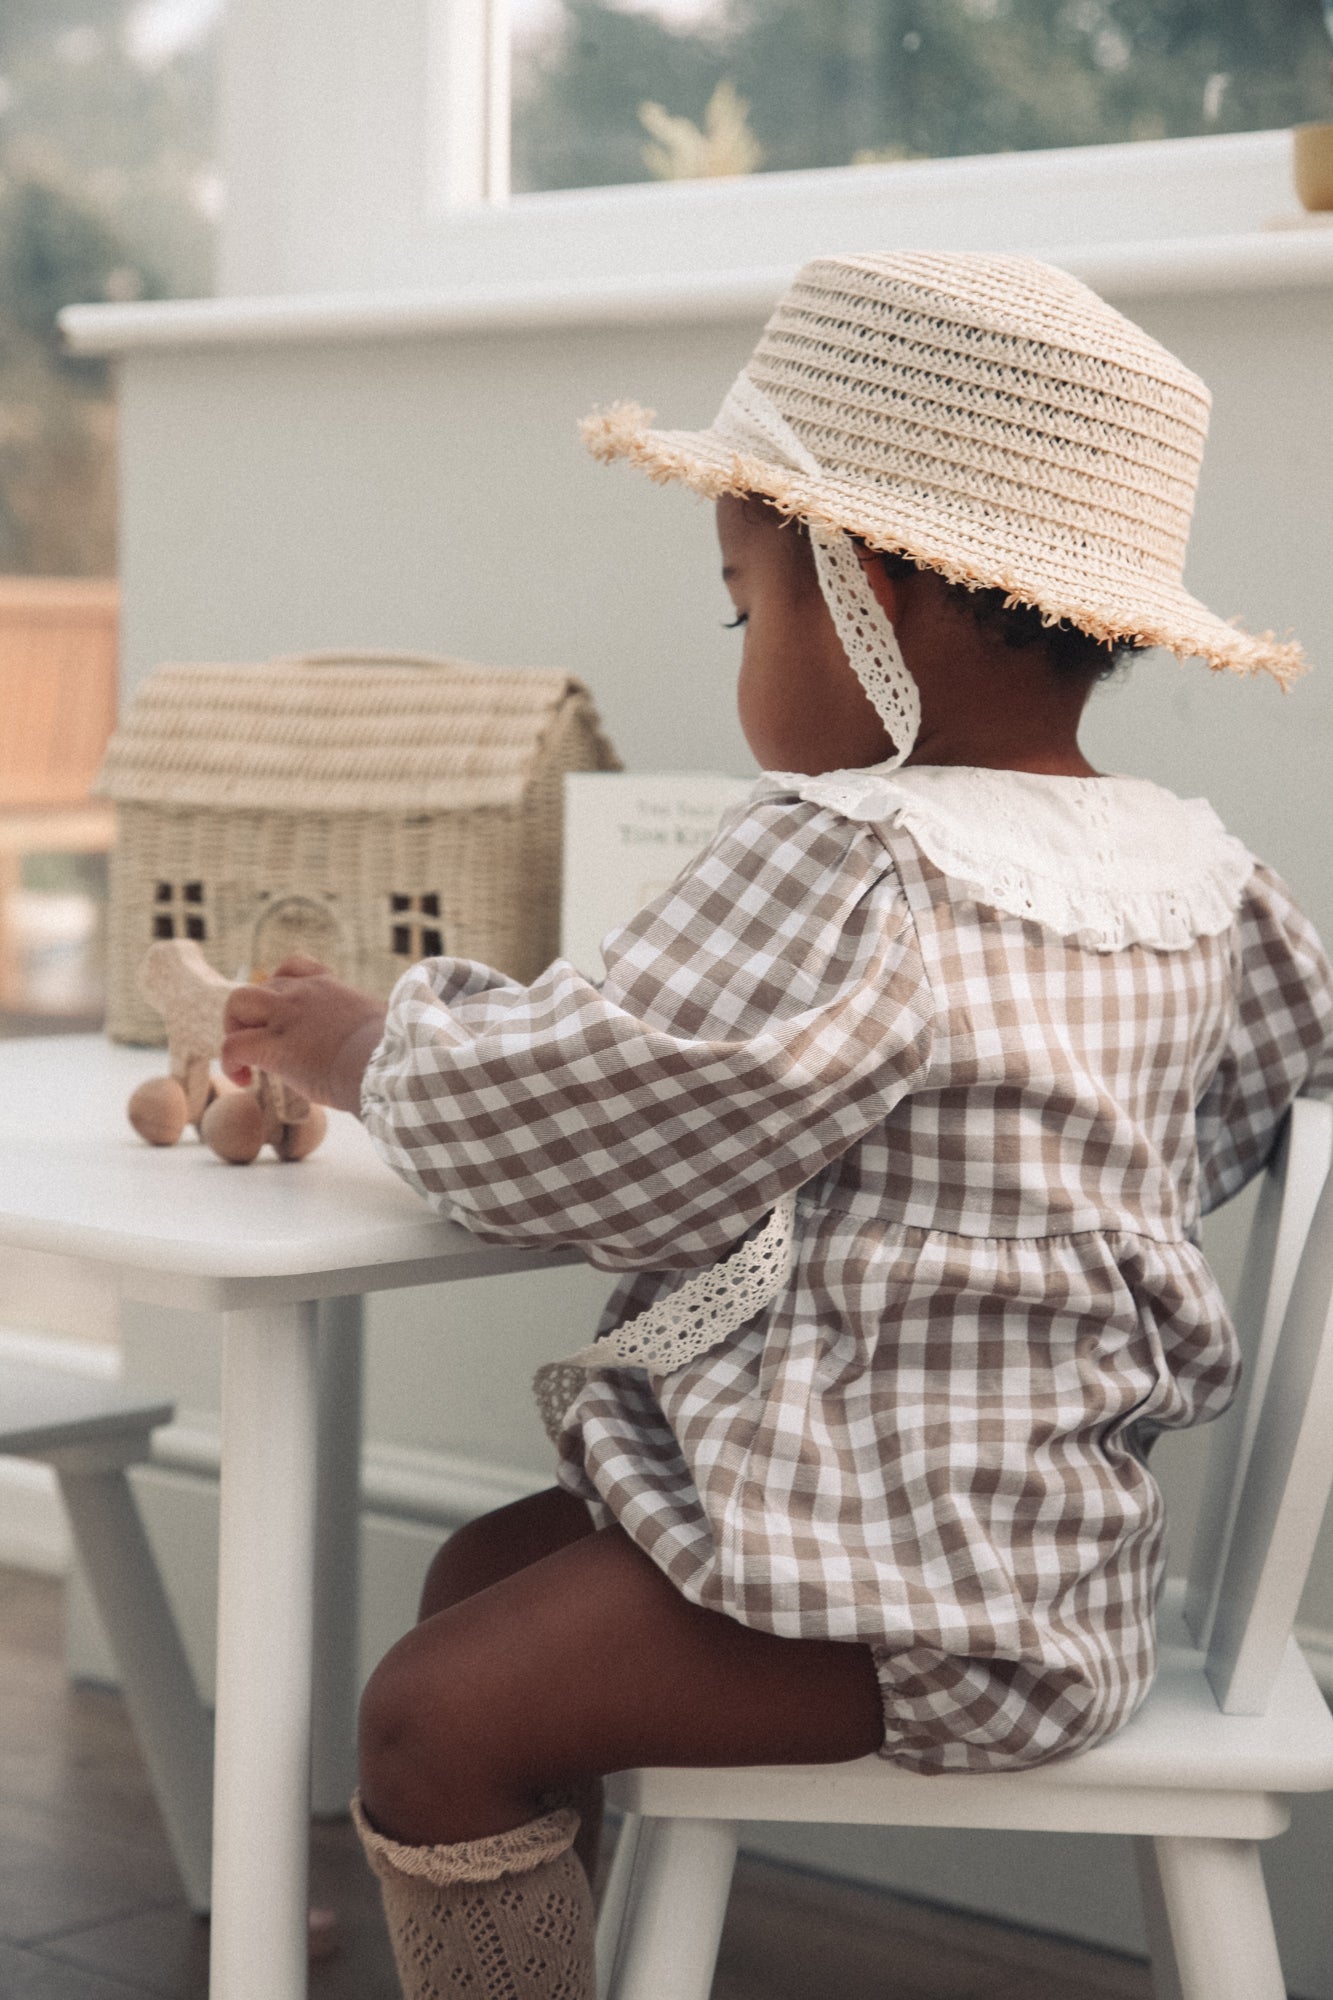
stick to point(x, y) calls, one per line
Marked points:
point(247, 1007)
point(247, 1049)
point(299, 966)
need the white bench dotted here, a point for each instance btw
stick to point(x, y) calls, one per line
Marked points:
point(89, 1433)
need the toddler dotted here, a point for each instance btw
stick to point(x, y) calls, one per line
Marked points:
point(897, 1111)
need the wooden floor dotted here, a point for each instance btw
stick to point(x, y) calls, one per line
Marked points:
point(90, 1909)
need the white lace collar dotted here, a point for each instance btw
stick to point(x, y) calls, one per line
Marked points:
point(1107, 862)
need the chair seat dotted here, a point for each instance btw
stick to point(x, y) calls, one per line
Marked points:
point(1179, 1766)
point(48, 1409)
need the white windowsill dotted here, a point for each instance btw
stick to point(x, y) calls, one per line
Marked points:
point(1137, 270)
point(1134, 221)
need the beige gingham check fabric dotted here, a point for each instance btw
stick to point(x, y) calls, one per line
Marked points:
point(931, 1440)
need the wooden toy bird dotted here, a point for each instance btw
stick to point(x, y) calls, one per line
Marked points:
point(191, 997)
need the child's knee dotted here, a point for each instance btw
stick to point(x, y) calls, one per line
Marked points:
point(426, 1718)
point(439, 1760)
point(409, 1726)
point(385, 1724)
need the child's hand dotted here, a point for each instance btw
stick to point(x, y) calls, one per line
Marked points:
point(306, 1027)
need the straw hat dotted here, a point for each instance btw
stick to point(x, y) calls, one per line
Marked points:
point(991, 418)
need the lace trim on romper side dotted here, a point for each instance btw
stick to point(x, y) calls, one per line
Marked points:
point(703, 1312)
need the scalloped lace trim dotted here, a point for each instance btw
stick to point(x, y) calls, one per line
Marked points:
point(703, 1312)
point(1106, 862)
point(486, 1860)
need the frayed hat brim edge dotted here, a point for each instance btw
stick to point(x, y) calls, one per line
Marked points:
point(709, 466)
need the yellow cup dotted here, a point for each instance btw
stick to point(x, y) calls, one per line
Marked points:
point(1312, 165)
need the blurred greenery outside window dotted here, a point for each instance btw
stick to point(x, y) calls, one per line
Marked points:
point(107, 191)
point(608, 94)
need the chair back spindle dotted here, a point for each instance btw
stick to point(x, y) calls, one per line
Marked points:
point(1283, 1482)
point(1287, 1197)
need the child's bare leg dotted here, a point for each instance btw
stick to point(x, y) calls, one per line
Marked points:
point(496, 1546)
point(584, 1662)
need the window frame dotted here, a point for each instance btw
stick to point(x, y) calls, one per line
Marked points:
point(337, 184)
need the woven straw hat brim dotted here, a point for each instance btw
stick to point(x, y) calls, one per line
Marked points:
point(1049, 566)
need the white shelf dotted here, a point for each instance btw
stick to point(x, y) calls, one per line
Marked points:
point(1263, 260)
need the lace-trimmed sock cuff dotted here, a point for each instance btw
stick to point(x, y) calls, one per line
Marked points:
point(513, 1853)
point(507, 1918)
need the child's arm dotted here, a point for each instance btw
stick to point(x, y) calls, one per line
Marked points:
point(764, 1014)
point(306, 1027)
point(1281, 1046)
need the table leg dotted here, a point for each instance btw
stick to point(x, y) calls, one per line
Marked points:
point(265, 1633)
point(337, 1558)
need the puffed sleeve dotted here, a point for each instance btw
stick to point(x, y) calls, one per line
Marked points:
point(1281, 1045)
point(758, 1018)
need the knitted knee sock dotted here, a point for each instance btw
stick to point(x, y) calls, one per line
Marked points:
point(508, 1918)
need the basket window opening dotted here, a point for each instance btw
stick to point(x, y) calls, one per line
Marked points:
point(411, 937)
point(178, 911)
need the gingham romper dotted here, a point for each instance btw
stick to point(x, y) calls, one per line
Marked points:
point(1005, 1038)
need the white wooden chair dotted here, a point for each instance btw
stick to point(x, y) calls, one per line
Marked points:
point(1197, 1777)
point(90, 1433)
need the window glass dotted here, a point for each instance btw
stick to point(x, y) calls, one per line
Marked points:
point(608, 92)
point(107, 191)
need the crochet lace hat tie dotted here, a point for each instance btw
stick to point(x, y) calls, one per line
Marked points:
point(749, 418)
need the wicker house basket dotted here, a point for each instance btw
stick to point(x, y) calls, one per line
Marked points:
point(371, 810)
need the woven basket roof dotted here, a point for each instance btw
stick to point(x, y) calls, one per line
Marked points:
point(338, 734)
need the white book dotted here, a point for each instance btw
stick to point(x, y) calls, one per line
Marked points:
point(627, 837)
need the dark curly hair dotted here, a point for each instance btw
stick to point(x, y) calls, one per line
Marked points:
point(1071, 653)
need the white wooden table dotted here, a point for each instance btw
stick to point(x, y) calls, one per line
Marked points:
point(287, 1253)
